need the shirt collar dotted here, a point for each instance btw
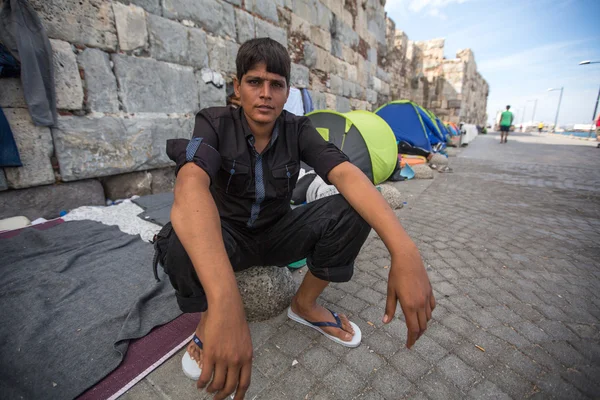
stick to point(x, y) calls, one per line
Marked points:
point(248, 132)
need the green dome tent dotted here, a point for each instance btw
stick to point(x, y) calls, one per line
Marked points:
point(366, 139)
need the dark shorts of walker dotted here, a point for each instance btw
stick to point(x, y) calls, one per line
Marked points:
point(328, 233)
point(504, 128)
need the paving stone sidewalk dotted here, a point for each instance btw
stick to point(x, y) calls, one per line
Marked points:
point(511, 242)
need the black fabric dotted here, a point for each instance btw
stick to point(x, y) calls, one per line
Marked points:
point(226, 131)
point(157, 207)
point(328, 232)
point(72, 296)
point(9, 153)
point(504, 128)
point(407, 148)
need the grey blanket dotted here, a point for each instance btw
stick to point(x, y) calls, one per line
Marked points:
point(72, 297)
point(157, 207)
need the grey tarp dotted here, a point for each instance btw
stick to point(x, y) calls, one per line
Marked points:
point(157, 207)
point(71, 298)
point(22, 32)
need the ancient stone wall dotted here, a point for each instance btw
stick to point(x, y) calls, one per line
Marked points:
point(130, 74)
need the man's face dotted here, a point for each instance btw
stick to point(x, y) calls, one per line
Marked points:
point(262, 94)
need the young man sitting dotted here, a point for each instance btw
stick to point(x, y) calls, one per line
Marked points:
point(232, 211)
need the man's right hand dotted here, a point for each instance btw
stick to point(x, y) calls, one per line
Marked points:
point(227, 353)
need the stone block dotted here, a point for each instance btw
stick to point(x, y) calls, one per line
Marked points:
point(214, 16)
point(69, 91)
point(422, 171)
point(244, 24)
point(336, 49)
point(265, 8)
point(454, 103)
point(324, 16)
point(330, 101)
point(49, 200)
point(152, 6)
point(381, 74)
point(336, 85)
point(3, 183)
point(163, 180)
point(126, 185)
point(87, 22)
point(317, 58)
point(131, 26)
point(348, 89)
point(306, 10)
point(320, 37)
point(299, 76)
point(197, 48)
point(222, 54)
point(102, 146)
point(146, 85)
point(235, 2)
point(343, 32)
point(100, 83)
point(300, 27)
point(11, 95)
point(342, 104)
point(35, 148)
point(208, 94)
point(266, 291)
point(265, 29)
point(318, 99)
point(168, 40)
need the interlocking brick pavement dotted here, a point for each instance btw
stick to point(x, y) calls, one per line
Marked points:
point(511, 242)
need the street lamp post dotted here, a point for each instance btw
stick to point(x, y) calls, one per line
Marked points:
point(534, 107)
point(558, 108)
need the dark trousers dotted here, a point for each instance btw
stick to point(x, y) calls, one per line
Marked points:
point(328, 232)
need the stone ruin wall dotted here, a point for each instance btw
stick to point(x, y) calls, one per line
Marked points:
point(129, 77)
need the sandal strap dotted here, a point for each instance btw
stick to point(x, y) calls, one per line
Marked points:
point(197, 340)
point(336, 324)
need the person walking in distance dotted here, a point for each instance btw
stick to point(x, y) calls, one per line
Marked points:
point(506, 120)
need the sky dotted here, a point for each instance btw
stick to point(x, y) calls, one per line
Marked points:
point(522, 48)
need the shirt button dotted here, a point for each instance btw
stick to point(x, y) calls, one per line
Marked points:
point(232, 171)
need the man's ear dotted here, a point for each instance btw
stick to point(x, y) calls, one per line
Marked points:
point(236, 87)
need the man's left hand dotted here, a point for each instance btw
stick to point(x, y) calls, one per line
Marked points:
point(408, 283)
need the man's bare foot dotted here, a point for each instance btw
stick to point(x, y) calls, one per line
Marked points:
point(318, 313)
point(194, 351)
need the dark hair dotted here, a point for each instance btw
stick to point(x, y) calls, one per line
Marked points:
point(263, 50)
point(508, 107)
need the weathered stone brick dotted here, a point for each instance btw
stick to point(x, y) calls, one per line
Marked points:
point(342, 104)
point(215, 16)
point(319, 101)
point(152, 6)
point(222, 54)
point(244, 23)
point(299, 75)
point(208, 94)
point(168, 40)
point(343, 32)
point(87, 22)
point(146, 85)
point(265, 8)
point(320, 37)
point(265, 29)
point(131, 26)
point(69, 91)
point(336, 85)
point(11, 94)
point(35, 149)
point(100, 83)
point(100, 146)
point(197, 48)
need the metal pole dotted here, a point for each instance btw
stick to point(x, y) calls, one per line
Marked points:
point(558, 110)
point(523, 115)
point(533, 116)
point(594, 115)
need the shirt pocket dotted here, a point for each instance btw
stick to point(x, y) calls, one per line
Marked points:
point(285, 177)
point(233, 177)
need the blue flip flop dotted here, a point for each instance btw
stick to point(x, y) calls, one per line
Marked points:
point(190, 367)
point(356, 339)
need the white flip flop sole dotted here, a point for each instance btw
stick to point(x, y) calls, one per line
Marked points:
point(190, 367)
point(355, 342)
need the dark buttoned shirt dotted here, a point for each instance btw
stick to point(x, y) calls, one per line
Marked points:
point(250, 188)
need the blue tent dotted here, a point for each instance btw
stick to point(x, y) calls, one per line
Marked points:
point(411, 123)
